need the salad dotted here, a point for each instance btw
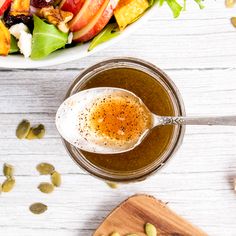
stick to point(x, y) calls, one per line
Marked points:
point(36, 28)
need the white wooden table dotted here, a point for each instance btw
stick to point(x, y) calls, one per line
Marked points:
point(198, 51)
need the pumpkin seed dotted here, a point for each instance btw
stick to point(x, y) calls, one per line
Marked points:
point(31, 135)
point(150, 229)
point(45, 168)
point(46, 187)
point(39, 131)
point(38, 208)
point(8, 170)
point(112, 185)
point(115, 234)
point(36, 132)
point(23, 129)
point(131, 235)
point(56, 179)
point(229, 3)
point(8, 185)
point(233, 21)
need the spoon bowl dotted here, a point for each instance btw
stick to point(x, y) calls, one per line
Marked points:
point(111, 120)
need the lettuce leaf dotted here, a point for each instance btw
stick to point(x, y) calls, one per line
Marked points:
point(175, 5)
point(152, 2)
point(14, 48)
point(184, 7)
point(46, 39)
point(109, 32)
point(200, 3)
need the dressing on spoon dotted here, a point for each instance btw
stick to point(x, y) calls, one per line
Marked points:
point(113, 120)
point(119, 118)
point(104, 120)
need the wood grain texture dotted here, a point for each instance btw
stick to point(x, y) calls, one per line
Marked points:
point(198, 52)
point(132, 215)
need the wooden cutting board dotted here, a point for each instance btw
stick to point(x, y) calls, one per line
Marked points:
point(131, 216)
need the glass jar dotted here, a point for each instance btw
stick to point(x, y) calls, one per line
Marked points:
point(86, 80)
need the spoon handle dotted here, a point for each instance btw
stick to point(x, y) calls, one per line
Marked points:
point(221, 120)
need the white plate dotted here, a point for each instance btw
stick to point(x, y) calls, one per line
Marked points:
point(70, 54)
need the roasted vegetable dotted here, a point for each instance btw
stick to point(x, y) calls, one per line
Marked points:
point(5, 39)
point(20, 7)
point(129, 10)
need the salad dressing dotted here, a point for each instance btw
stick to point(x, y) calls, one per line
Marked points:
point(119, 117)
point(157, 100)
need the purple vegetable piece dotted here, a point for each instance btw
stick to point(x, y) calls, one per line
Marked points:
point(41, 3)
point(12, 20)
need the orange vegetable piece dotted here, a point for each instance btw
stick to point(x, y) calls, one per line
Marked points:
point(5, 39)
point(127, 11)
point(20, 7)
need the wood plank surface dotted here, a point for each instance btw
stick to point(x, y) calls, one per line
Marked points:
point(198, 51)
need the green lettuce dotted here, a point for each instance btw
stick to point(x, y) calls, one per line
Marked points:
point(200, 3)
point(109, 32)
point(14, 48)
point(152, 2)
point(46, 39)
point(175, 5)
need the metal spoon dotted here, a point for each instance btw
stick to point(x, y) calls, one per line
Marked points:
point(76, 131)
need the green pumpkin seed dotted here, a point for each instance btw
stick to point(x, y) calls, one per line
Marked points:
point(233, 21)
point(38, 208)
point(31, 135)
point(229, 3)
point(45, 168)
point(56, 179)
point(23, 129)
point(8, 170)
point(8, 185)
point(39, 131)
point(150, 229)
point(36, 132)
point(46, 187)
point(112, 185)
point(115, 234)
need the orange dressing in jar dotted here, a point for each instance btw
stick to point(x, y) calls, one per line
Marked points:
point(157, 100)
